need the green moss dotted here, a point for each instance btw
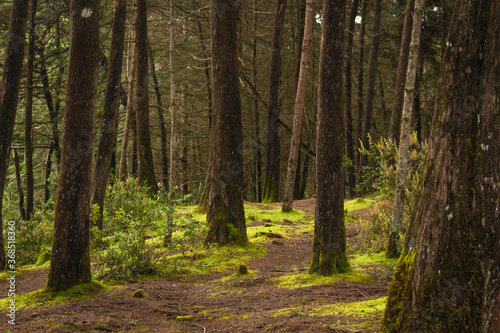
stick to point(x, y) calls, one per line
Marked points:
point(211, 259)
point(42, 298)
point(367, 308)
point(275, 214)
point(44, 256)
point(307, 280)
point(370, 259)
point(356, 204)
point(139, 293)
point(184, 319)
point(257, 234)
point(270, 193)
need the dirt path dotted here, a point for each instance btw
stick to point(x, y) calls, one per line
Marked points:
point(248, 304)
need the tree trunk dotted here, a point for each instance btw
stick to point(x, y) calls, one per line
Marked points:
point(110, 112)
point(370, 89)
point(173, 110)
point(203, 204)
point(329, 245)
point(28, 116)
point(145, 154)
point(351, 178)
point(393, 246)
point(397, 106)
point(299, 108)
point(9, 92)
point(70, 262)
point(257, 144)
point(163, 130)
point(271, 182)
point(19, 185)
point(129, 118)
point(226, 216)
point(361, 98)
point(447, 277)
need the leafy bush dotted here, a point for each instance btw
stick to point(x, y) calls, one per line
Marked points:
point(379, 178)
point(129, 245)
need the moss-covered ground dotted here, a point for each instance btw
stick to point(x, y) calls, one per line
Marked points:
point(205, 288)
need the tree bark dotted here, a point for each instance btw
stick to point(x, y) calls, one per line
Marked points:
point(351, 178)
point(70, 262)
point(19, 185)
point(361, 104)
point(28, 116)
point(447, 277)
point(299, 109)
point(271, 182)
point(110, 112)
point(370, 89)
point(129, 119)
point(226, 216)
point(257, 144)
point(9, 92)
point(145, 154)
point(393, 246)
point(173, 110)
point(329, 245)
point(397, 106)
point(161, 118)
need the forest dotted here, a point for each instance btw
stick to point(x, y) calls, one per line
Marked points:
point(253, 166)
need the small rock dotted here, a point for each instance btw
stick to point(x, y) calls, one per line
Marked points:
point(269, 234)
point(242, 270)
point(184, 319)
point(139, 293)
point(267, 225)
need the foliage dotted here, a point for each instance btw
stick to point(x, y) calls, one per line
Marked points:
point(134, 222)
point(379, 178)
point(34, 235)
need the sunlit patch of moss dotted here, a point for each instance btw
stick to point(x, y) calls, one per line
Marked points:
point(257, 234)
point(370, 259)
point(274, 213)
point(211, 259)
point(367, 308)
point(41, 298)
point(307, 280)
point(236, 276)
point(193, 212)
point(22, 269)
point(356, 204)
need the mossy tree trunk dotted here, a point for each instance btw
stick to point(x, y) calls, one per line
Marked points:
point(110, 110)
point(70, 261)
point(145, 154)
point(329, 245)
point(9, 92)
point(226, 216)
point(447, 277)
point(271, 183)
point(393, 246)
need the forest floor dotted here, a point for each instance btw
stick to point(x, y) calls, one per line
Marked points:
point(277, 296)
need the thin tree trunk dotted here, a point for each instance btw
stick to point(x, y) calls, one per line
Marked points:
point(446, 279)
point(203, 204)
point(329, 246)
point(351, 178)
point(163, 130)
point(173, 111)
point(394, 246)
point(226, 216)
point(9, 92)
point(257, 144)
point(397, 106)
point(299, 109)
point(370, 89)
point(146, 164)
point(19, 185)
point(361, 98)
point(110, 112)
point(129, 118)
point(70, 261)
point(28, 115)
point(271, 182)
